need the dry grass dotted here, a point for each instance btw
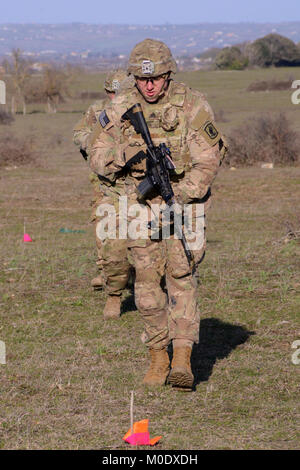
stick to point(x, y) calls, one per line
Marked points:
point(16, 152)
point(6, 118)
point(69, 373)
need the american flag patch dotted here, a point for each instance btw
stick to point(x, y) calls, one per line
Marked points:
point(103, 119)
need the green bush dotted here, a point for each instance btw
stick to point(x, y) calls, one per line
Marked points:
point(231, 58)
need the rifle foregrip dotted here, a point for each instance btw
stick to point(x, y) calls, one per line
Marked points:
point(145, 187)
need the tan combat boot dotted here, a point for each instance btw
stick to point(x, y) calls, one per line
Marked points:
point(159, 368)
point(181, 375)
point(97, 282)
point(112, 307)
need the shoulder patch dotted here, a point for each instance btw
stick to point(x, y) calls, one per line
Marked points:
point(210, 130)
point(203, 123)
point(103, 119)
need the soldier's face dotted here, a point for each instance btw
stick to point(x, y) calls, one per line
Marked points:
point(150, 88)
point(110, 94)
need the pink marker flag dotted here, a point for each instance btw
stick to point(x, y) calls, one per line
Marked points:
point(27, 238)
point(140, 435)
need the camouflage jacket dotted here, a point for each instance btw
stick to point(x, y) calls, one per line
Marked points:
point(83, 129)
point(182, 119)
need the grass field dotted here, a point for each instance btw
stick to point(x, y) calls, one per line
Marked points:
point(68, 375)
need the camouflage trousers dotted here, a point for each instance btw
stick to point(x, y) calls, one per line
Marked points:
point(112, 253)
point(169, 311)
point(96, 200)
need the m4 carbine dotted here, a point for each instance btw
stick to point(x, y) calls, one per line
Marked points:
point(158, 166)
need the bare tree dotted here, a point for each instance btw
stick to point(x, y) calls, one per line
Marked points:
point(18, 69)
point(51, 87)
point(54, 87)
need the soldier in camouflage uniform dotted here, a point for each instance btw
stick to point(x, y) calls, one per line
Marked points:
point(112, 257)
point(182, 119)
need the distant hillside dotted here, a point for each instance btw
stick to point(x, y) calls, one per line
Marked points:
point(81, 42)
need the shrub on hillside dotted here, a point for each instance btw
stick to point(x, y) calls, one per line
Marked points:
point(265, 138)
point(270, 50)
point(273, 49)
point(231, 58)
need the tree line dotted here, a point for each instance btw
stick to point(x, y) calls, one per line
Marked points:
point(270, 50)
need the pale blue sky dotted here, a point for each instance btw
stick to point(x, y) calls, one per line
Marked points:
point(148, 11)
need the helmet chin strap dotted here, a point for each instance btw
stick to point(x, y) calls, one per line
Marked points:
point(164, 87)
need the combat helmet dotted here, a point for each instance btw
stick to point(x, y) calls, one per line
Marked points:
point(114, 79)
point(151, 58)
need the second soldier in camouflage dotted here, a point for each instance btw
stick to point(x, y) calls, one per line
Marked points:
point(112, 259)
